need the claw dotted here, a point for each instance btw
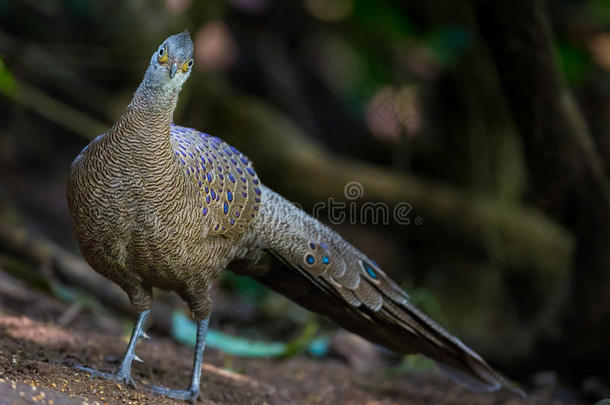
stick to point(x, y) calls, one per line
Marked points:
point(136, 358)
point(143, 335)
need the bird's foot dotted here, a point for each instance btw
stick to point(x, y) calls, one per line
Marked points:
point(121, 376)
point(191, 395)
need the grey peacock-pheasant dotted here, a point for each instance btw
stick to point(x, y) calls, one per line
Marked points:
point(155, 204)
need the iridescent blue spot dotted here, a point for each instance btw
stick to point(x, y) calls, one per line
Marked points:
point(183, 154)
point(202, 159)
point(255, 181)
point(229, 195)
point(210, 177)
point(312, 245)
point(250, 171)
point(213, 194)
point(257, 190)
point(239, 170)
point(183, 162)
point(207, 199)
point(234, 162)
point(221, 177)
point(257, 199)
point(191, 155)
point(244, 194)
point(237, 213)
point(325, 259)
point(369, 270)
point(243, 179)
point(176, 153)
point(205, 211)
point(234, 149)
point(232, 221)
point(231, 177)
point(310, 259)
point(225, 208)
point(219, 168)
point(200, 183)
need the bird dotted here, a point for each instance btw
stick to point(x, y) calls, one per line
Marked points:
point(158, 205)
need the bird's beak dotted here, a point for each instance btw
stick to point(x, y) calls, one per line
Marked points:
point(173, 69)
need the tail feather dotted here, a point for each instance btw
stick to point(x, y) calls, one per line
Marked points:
point(319, 270)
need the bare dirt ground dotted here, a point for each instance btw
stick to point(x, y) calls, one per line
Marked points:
point(37, 359)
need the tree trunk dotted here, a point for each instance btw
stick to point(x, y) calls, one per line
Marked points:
point(567, 176)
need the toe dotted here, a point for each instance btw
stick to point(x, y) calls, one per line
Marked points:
point(184, 395)
point(121, 377)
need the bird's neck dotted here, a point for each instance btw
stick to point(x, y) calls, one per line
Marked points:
point(145, 124)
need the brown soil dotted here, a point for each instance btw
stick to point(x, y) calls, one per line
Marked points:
point(37, 358)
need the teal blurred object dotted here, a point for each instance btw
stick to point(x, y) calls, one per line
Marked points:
point(319, 347)
point(184, 331)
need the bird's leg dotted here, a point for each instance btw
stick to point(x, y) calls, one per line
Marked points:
point(192, 393)
point(123, 374)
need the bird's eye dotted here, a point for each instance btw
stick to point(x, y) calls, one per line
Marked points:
point(162, 55)
point(187, 65)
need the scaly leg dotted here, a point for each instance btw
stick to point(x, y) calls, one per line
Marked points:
point(123, 374)
point(192, 393)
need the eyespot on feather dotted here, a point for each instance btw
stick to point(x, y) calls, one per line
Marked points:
point(368, 271)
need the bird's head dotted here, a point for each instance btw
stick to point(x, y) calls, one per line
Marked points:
point(171, 63)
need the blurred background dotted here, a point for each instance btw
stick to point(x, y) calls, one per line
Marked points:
point(490, 119)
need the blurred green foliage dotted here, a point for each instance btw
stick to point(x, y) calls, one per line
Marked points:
point(8, 87)
point(575, 62)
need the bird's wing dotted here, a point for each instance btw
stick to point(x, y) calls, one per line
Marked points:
point(228, 187)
